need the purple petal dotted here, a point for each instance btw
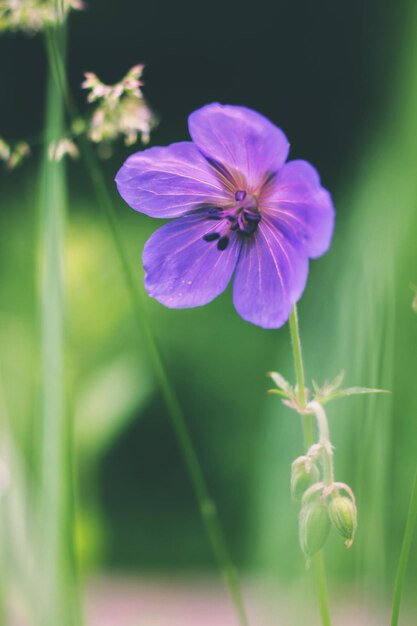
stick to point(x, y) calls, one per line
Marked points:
point(303, 208)
point(168, 182)
point(182, 269)
point(243, 140)
point(270, 277)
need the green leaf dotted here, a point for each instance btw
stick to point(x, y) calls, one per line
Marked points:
point(351, 391)
point(279, 392)
point(280, 381)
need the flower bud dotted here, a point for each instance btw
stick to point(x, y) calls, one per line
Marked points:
point(314, 527)
point(303, 475)
point(343, 515)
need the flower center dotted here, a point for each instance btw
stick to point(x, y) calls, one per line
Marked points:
point(242, 219)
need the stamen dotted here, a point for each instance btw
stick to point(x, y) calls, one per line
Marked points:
point(251, 217)
point(223, 243)
point(241, 218)
point(211, 236)
point(249, 221)
point(214, 213)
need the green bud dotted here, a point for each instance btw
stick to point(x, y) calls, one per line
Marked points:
point(314, 527)
point(342, 512)
point(303, 475)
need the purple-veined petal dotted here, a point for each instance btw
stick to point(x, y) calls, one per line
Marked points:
point(169, 182)
point(304, 209)
point(270, 277)
point(182, 269)
point(241, 139)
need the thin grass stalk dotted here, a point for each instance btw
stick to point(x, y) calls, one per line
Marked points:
point(19, 548)
point(206, 504)
point(3, 583)
point(405, 554)
point(4, 564)
point(308, 428)
point(60, 602)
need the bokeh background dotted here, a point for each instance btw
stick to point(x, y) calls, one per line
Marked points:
point(341, 80)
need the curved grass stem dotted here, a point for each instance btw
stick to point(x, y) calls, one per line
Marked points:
point(308, 427)
point(205, 503)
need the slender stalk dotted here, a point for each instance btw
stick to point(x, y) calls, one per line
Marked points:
point(206, 505)
point(320, 572)
point(298, 356)
point(308, 423)
point(60, 603)
point(405, 553)
point(3, 584)
point(327, 452)
point(319, 567)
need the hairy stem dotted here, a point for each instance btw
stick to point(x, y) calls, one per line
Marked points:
point(405, 553)
point(324, 440)
point(319, 567)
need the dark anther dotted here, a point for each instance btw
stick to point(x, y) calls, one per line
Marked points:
point(214, 213)
point(223, 243)
point(250, 222)
point(252, 217)
point(250, 228)
point(240, 195)
point(211, 236)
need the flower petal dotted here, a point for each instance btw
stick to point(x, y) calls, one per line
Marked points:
point(270, 277)
point(302, 206)
point(168, 182)
point(182, 269)
point(243, 140)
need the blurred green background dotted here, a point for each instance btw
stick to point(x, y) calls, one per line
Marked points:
point(341, 80)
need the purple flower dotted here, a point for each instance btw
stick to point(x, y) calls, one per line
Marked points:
point(241, 210)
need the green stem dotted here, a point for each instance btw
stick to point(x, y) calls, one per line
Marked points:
point(308, 424)
point(322, 589)
point(322, 424)
point(3, 584)
point(405, 553)
point(206, 505)
point(324, 439)
point(298, 356)
point(308, 427)
point(60, 603)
